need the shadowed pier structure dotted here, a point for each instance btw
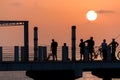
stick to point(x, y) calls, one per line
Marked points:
point(6, 23)
point(42, 69)
point(69, 70)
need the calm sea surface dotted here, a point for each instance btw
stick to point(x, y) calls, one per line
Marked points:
point(20, 75)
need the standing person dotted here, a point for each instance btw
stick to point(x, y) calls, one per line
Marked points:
point(104, 49)
point(113, 45)
point(82, 50)
point(54, 46)
point(90, 44)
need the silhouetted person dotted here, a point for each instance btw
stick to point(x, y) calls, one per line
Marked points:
point(90, 44)
point(113, 45)
point(54, 45)
point(104, 50)
point(82, 50)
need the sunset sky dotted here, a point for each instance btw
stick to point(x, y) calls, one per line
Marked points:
point(54, 19)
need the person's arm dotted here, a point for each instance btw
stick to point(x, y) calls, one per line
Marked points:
point(85, 41)
point(110, 44)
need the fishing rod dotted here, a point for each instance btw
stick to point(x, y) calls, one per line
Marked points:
point(117, 36)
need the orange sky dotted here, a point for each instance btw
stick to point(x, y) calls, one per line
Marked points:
point(54, 19)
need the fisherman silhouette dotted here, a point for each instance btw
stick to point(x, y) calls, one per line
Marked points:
point(113, 45)
point(104, 49)
point(54, 46)
point(82, 50)
point(90, 44)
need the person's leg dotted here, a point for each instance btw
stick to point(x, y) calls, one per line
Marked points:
point(91, 56)
point(103, 53)
point(56, 55)
point(114, 57)
point(83, 55)
point(80, 55)
point(53, 55)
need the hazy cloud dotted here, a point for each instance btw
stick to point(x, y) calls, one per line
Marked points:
point(16, 4)
point(105, 11)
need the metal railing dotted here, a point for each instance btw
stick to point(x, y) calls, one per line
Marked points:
point(8, 53)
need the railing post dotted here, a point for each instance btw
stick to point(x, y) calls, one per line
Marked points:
point(22, 54)
point(64, 52)
point(16, 53)
point(40, 51)
point(86, 57)
point(44, 53)
point(0, 54)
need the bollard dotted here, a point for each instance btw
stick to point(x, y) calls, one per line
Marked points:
point(16, 53)
point(35, 54)
point(26, 42)
point(0, 54)
point(73, 43)
point(22, 54)
point(40, 51)
point(64, 52)
point(109, 53)
point(44, 52)
point(35, 43)
point(86, 54)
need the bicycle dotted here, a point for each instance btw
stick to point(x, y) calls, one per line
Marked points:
point(118, 53)
point(97, 54)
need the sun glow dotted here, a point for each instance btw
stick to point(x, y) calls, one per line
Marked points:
point(91, 15)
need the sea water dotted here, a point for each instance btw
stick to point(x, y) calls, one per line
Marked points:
point(20, 75)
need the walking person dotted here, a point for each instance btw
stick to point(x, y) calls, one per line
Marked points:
point(113, 45)
point(82, 50)
point(90, 44)
point(54, 46)
point(104, 49)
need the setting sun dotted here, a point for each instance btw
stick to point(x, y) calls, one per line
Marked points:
point(91, 15)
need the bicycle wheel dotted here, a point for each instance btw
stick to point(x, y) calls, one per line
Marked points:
point(118, 55)
point(98, 54)
point(95, 55)
point(101, 55)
